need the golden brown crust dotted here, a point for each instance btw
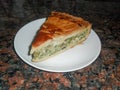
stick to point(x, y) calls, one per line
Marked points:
point(58, 24)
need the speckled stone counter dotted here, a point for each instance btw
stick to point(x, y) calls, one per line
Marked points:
point(102, 74)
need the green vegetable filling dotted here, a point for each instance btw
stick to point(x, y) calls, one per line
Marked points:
point(51, 49)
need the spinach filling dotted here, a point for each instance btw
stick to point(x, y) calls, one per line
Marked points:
point(50, 49)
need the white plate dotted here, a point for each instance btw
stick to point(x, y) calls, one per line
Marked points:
point(73, 59)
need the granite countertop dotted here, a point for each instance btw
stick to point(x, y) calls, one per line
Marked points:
point(102, 74)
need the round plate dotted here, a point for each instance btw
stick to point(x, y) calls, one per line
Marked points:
point(73, 59)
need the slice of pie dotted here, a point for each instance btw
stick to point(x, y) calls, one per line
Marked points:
point(58, 33)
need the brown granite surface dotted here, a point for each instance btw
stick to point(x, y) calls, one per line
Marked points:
point(102, 74)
